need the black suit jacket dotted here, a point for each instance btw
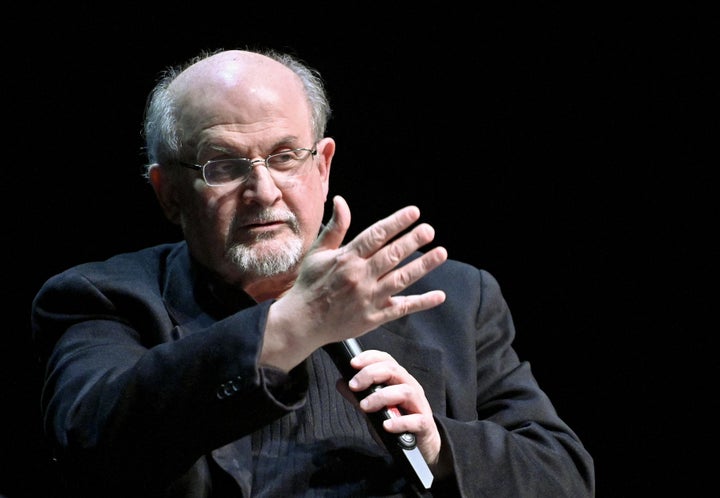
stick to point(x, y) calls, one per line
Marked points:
point(147, 376)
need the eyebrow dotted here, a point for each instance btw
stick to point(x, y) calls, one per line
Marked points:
point(220, 148)
point(288, 141)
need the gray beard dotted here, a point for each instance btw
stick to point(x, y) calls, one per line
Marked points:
point(265, 257)
point(263, 262)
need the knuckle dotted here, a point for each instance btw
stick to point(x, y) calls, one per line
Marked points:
point(401, 280)
point(395, 254)
point(378, 235)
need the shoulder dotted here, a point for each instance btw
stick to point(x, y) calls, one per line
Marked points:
point(148, 260)
point(122, 286)
point(133, 270)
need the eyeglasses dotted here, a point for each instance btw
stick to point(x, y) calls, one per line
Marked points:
point(284, 167)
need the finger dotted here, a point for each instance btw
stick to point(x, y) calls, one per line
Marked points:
point(400, 306)
point(414, 422)
point(368, 356)
point(334, 231)
point(389, 256)
point(378, 367)
point(408, 395)
point(394, 395)
point(380, 233)
point(401, 278)
point(394, 253)
point(405, 305)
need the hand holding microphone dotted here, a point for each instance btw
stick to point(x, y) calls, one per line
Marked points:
point(403, 446)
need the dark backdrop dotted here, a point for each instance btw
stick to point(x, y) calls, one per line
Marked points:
point(571, 152)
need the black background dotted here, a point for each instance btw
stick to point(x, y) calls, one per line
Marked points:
point(570, 151)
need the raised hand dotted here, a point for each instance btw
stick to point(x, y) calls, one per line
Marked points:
point(344, 291)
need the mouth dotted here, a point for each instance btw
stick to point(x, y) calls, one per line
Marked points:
point(266, 224)
point(263, 230)
point(263, 225)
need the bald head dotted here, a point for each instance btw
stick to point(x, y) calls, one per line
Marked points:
point(237, 90)
point(248, 75)
point(228, 85)
point(229, 68)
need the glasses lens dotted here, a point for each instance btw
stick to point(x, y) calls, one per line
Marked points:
point(285, 161)
point(226, 171)
point(288, 164)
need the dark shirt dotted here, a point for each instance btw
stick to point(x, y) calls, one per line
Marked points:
point(325, 447)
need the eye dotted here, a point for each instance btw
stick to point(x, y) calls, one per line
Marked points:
point(226, 170)
point(285, 158)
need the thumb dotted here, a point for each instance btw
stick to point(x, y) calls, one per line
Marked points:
point(334, 231)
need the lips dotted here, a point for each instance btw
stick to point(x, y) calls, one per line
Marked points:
point(261, 224)
point(267, 221)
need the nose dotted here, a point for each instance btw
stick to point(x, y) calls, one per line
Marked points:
point(259, 187)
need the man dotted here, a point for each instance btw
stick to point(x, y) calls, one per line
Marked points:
point(201, 368)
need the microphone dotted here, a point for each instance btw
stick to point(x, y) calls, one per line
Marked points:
point(402, 446)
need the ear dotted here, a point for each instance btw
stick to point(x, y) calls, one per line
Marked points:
point(326, 151)
point(165, 191)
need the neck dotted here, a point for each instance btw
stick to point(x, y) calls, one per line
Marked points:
point(264, 288)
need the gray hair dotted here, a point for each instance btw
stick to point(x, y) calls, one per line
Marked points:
point(160, 127)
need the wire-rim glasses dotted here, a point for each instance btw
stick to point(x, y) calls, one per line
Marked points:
point(284, 167)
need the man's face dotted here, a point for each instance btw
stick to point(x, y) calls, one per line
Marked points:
point(258, 228)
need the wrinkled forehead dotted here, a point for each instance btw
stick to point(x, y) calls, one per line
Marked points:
point(238, 88)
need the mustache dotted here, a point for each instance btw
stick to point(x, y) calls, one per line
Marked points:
point(267, 215)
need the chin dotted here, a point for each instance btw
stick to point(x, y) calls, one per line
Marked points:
point(267, 257)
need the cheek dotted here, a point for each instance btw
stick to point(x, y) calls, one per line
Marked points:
point(309, 206)
point(217, 212)
point(207, 211)
point(207, 203)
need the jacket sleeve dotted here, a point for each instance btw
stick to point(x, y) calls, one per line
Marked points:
point(122, 381)
point(511, 442)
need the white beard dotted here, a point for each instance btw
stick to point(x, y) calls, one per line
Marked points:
point(267, 258)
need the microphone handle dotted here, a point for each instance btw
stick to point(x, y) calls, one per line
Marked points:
point(402, 446)
point(347, 350)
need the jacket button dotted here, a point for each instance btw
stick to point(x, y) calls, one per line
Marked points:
point(228, 388)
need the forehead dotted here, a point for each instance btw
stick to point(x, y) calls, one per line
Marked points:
point(240, 98)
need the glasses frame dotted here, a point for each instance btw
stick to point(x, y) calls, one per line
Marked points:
point(265, 161)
